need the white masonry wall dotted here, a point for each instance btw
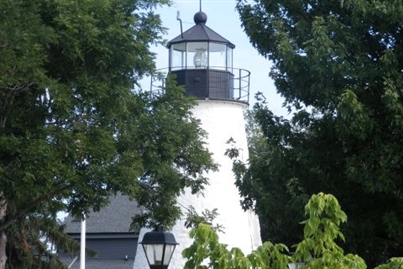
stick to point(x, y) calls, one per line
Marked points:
point(221, 120)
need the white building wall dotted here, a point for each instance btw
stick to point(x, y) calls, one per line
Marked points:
point(222, 120)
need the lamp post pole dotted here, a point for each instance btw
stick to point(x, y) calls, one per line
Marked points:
point(82, 243)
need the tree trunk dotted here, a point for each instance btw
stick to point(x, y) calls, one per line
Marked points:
point(3, 237)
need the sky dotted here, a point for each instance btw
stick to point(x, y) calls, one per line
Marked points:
point(223, 18)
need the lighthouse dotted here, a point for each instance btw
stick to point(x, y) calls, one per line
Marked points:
point(202, 62)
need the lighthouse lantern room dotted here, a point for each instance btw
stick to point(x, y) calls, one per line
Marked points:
point(201, 60)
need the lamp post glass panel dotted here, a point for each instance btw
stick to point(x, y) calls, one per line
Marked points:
point(159, 247)
point(297, 265)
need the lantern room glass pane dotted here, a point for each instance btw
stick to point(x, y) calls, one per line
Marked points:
point(229, 59)
point(178, 53)
point(217, 57)
point(197, 57)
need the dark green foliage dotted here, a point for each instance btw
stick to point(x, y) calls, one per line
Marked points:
point(339, 66)
point(28, 248)
point(74, 126)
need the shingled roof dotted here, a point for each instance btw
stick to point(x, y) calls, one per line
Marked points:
point(114, 218)
point(109, 232)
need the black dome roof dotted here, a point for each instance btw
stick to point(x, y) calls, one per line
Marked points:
point(200, 33)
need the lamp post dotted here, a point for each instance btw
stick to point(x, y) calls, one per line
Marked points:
point(158, 247)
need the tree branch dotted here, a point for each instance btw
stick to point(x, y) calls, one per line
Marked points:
point(11, 219)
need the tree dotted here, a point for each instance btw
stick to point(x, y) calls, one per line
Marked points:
point(75, 128)
point(317, 250)
point(338, 64)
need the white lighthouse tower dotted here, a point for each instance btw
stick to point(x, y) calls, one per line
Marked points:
point(202, 62)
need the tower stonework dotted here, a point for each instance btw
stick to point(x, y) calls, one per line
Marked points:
point(202, 62)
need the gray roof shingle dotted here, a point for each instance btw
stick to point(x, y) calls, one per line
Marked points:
point(114, 218)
